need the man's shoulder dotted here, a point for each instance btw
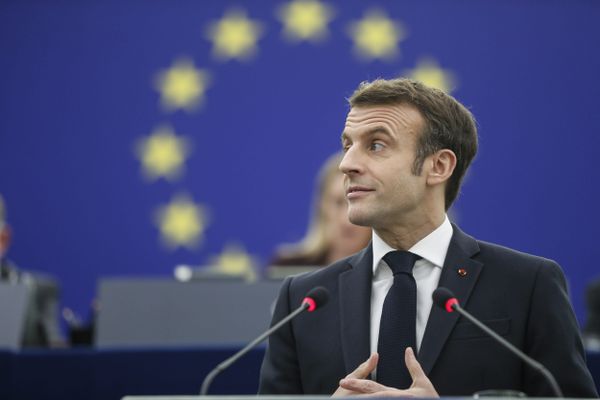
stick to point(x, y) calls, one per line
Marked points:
point(328, 276)
point(499, 257)
point(497, 251)
point(331, 271)
point(494, 255)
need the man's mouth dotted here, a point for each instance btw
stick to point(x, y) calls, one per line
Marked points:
point(356, 191)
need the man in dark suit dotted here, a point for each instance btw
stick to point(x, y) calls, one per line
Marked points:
point(41, 327)
point(407, 148)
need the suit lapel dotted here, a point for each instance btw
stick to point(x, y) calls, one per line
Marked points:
point(440, 323)
point(355, 308)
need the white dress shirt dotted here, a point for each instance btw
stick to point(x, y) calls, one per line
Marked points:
point(432, 248)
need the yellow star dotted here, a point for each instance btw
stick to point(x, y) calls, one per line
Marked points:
point(181, 222)
point(234, 36)
point(182, 85)
point(305, 19)
point(431, 74)
point(376, 36)
point(234, 260)
point(163, 154)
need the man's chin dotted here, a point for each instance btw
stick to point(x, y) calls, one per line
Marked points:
point(359, 219)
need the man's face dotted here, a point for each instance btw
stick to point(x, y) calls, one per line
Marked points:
point(379, 144)
point(334, 208)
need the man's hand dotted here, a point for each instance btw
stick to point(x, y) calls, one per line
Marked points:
point(359, 374)
point(421, 386)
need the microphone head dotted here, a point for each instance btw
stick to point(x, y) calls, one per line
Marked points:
point(444, 298)
point(316, 297)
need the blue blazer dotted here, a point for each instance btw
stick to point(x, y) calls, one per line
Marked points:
point(520, 296)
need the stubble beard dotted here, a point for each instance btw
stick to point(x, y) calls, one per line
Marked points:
point(360, 215)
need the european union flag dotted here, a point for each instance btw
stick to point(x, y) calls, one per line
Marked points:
point(136, 136)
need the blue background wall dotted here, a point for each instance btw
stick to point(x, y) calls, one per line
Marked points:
point(78, 91)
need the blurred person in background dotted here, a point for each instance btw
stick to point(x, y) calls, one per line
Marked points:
point(41, 316)
point(591, 332)
point(330, 234)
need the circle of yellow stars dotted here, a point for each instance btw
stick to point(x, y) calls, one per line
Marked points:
point(235, 261)
point(182, 86)
point(234, 36)
point(305, 20)
point(431, 74)
point(163, 154)
point(181, 222)
point(376, 36)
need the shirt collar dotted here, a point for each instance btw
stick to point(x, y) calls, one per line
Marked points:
point(432, 247)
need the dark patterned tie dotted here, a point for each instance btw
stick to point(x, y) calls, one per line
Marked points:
point(397, 329)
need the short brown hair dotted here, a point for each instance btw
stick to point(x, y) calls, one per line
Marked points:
point(448, 124)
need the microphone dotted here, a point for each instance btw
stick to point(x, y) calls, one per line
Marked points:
point(315, 298)
point(445, 299)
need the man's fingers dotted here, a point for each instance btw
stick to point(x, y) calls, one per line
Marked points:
point(389, 393)
point(364, 369)
point(421, 386)
point(362, 385)
point(413, 366)
point(361, 372)
point(352, 385)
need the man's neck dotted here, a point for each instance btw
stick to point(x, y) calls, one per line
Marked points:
point(405, 235)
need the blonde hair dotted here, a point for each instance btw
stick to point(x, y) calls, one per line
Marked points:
point(314, 245)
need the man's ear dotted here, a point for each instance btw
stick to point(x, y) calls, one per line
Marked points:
point(442, 164)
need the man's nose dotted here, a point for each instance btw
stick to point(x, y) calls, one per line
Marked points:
point(351, 162)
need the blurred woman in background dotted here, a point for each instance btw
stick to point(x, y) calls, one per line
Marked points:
point(330, 235)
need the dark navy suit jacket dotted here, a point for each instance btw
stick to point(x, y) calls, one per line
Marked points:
point(520, 296)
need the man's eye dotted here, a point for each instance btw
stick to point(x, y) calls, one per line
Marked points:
point(376, 146)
